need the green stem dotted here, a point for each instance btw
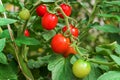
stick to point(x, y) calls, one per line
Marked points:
point(100, 62)
point(91, 18)
point(72, 19)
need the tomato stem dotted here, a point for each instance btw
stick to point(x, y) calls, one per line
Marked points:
point(101, 62)
point(91, 18)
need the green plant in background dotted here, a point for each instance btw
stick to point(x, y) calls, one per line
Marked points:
point(59, 40)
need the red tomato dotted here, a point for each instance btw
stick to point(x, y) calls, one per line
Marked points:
point(69, 51)
point(26, 33)
point(49, 21)
point(66, 8)
point(74, 30)
point(59, 44)
point(41, 10)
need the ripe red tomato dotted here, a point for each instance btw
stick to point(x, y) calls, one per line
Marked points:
point(59, 44)
point(41, 10)
point(69, 51)
point(49, 21)
point(81, 68)
point(26, 33)
point(66, 8)
point(74, 30)
point(24, 14)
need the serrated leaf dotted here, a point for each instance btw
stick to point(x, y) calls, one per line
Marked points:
point(107, 28)
point(27, 41)
point(2, 44)
point(7, 72)
point(116, 59)
point(48, 35)
point(5, 21)
point(60, 68)
point(3, 58)
point(2, 8)
point(111, 75)
point(94, 73)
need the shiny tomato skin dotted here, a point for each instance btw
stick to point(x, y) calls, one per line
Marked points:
point(26, 33)
point(59, 44)
point(81, 68)
point(49, 21)
point(73, 30)
point(41, 10)
point(69, 51)
point(66, 8)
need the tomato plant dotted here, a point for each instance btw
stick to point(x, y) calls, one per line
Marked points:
point(41, 10)
point(59, 39)
point(81, 68)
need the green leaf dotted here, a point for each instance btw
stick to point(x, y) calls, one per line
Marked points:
point(110, 16)
point(103, 51)
point(3, 58)
point(27, 41)
point(116, 59)
point(24, 68)
point(5, 21)
point(5, 34)
point(101, 58)
point(2, 8)
point(117, 49)
point(48, 0)
point(110, 46)
point(2, 44)
point(39, 62)
point(113, 3)
point(60, 67)
point(94, 73)
point(107, 28)
point(7, 72)
point(111, 75)
point(48, 35)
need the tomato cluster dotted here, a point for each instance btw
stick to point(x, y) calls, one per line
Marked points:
point(59, 43)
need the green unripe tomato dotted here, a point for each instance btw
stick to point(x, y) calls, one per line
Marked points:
point(81, 68)
point(24, 14)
